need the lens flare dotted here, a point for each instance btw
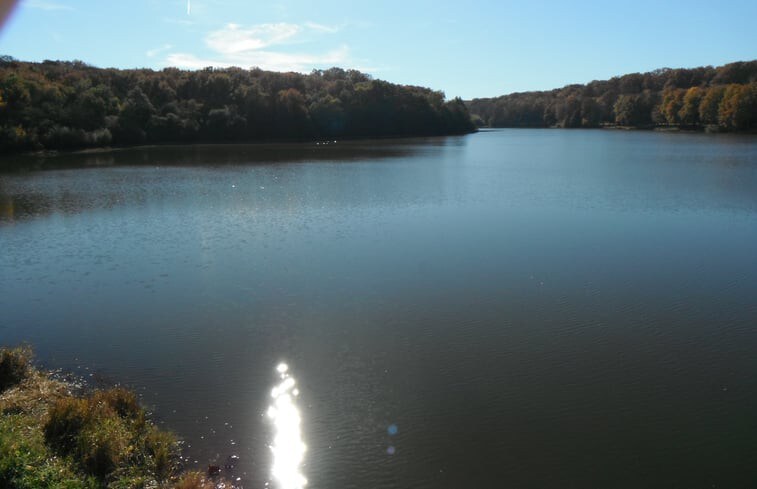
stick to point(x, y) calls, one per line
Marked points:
point(287, 447)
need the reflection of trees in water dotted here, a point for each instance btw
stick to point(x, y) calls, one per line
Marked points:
point(263, 174)
point(17, 207)
point(7, 208)
point(230, 154)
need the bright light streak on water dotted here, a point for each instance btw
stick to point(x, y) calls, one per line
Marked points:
point(287, 447)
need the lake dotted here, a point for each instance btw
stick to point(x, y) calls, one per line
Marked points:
point(512, 308)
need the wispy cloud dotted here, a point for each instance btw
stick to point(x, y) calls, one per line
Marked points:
point(322, 28)
point(151, 53)
point(268, 60)
point(248, 46)
point(234, 39)
point(43, 5)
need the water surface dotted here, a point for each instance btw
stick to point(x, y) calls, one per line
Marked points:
point(514, 308)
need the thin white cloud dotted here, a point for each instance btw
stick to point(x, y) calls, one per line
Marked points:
point(151, 53)
point(322, 28)
point(233, 38)
point(267, 60)
point(236, 45)
point(43, 5)
point(192, 62)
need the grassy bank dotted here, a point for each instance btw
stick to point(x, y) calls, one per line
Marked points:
point(53, 435)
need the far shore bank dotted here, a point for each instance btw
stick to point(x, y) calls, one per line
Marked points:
point(610, 127)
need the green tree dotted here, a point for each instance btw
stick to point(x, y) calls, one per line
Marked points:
point(292, 115)
point(88, 109)
point(134, 116)
point(328, 116)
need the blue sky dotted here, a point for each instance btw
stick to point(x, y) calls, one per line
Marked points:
point(473, 48)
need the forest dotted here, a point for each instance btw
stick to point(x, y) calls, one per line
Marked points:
point(716, 99)
point(68, 105)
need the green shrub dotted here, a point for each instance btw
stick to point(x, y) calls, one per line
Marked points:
point(27, 463)
point(15, 364)
point(102, 446)
point(92, 430)
point(120, 400)
point(66, 420)
point(106, 433)
point(67, 442)
point(130, 480)
point(162, 448)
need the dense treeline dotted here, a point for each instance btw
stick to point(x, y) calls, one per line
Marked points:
point(723, 98)
point(56, 105)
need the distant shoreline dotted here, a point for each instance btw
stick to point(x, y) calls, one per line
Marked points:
point(667, 129)
point(709, 99)
point(58, 105)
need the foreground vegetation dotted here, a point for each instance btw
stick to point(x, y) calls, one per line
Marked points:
point(56, 105)
point(723, 98)
point(51, 437)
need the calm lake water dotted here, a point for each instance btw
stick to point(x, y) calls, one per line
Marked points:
point(514, 308)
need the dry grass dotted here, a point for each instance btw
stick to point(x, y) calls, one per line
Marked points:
point(52, 437)
point(15, 364)
point(195, 480)
point(34, 394)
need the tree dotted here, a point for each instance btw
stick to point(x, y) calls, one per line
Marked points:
point(133, 118)
point(689, 111)
point(738, 108)
point(708, 107)
point(672, 101)
point(88, 109)
point(633, 110)
point(328, 116)
point(292, 114)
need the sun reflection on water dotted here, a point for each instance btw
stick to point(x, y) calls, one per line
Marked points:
point(287, 447)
